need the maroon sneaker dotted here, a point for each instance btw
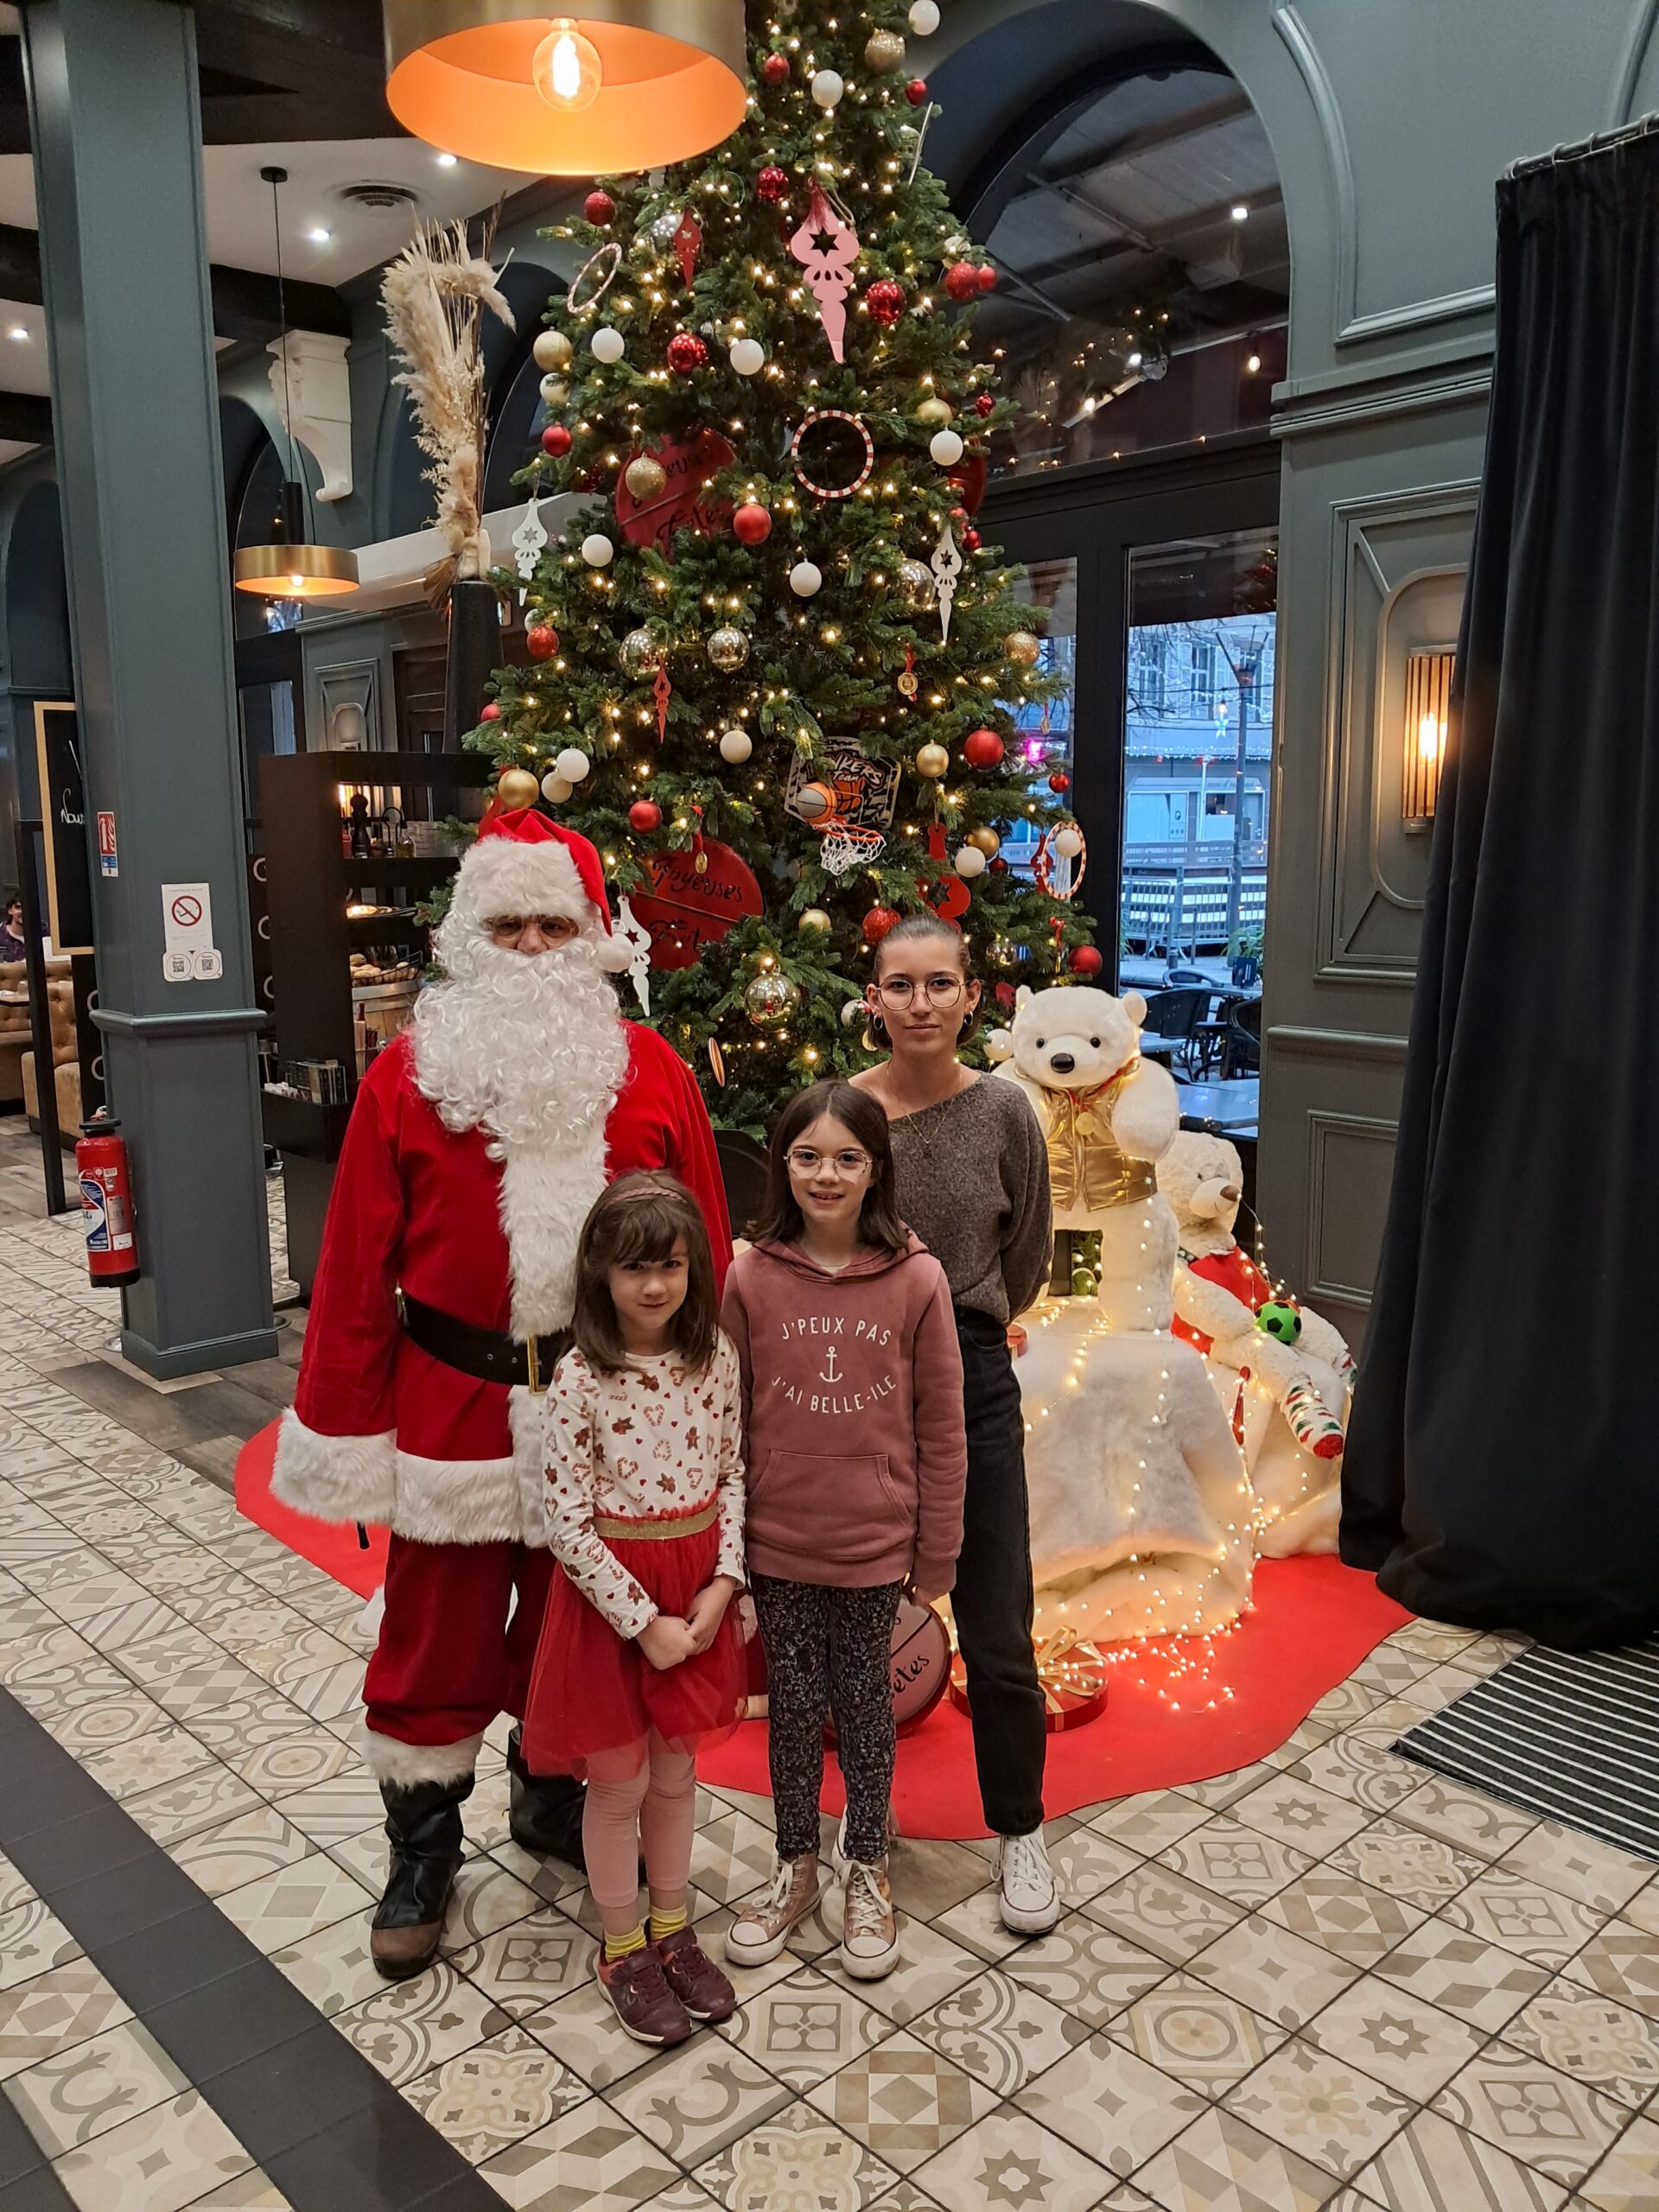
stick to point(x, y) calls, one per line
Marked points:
point(694, 1977)
point(648, 2009)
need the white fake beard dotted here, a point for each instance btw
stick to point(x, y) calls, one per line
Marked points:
point(531, 1049)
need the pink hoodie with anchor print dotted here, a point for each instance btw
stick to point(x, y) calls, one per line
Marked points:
point(852, 1416)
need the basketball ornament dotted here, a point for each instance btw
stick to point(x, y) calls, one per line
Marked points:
point(695, 898)
point(827, 246)
point(684, 501)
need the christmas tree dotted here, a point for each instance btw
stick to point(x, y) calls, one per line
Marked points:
point(775, 674)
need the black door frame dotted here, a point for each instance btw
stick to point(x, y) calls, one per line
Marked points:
point(1095, 515)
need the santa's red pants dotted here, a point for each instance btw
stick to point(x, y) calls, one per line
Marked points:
point(448, 1660)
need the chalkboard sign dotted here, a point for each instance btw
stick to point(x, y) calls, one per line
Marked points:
point(63, 812)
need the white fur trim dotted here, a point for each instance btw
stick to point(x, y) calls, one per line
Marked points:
point(335, 1477)
point(546, 1194)
point(501, 876)
point(529, 1417)
point(391, 1760)
point(458, 1500)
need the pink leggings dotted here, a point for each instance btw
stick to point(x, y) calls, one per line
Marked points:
point(642, 1792)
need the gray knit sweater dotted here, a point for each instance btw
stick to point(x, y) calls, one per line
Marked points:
point(973, 1183)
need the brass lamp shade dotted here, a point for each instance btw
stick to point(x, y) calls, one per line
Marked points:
point(458, 76)
point(290, 568)
point(1428, 705)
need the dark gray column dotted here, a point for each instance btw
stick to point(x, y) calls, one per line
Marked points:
point(117, 166)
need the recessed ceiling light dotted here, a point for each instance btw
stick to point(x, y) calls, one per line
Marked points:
point(318, 236)
point(1240, 212)
point(448, 161)
point(18, 335)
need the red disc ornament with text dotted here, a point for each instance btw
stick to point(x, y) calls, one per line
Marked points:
point(685, 502)
point(689, 906)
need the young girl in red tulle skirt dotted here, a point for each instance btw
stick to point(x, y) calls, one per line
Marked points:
point(640, 1654)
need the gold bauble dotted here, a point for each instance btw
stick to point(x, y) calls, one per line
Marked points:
point(1022, 648)
point(916, 590)
point(884, 52)
point(815, 918)
point(987, 840)
point(552, 349)
point(517, 788)
point(935, 411)
point(727, 650)
point(770, 1000)
point(933, 761)
point(646, 477)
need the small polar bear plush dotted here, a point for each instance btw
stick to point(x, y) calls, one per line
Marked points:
point(1108, 1116)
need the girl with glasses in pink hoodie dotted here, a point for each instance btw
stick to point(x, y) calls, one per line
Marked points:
point(856, 1458)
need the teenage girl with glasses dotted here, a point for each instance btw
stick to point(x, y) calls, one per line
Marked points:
point(971, 1176)
point(853, 1440)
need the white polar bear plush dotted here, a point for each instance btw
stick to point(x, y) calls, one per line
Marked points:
point(1108, 1116)
point(1290, 1398)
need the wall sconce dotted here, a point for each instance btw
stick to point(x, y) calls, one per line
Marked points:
point(1428, 699)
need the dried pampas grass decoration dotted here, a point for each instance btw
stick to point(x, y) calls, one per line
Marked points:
point(435, 294)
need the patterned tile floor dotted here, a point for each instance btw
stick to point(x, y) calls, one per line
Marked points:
point(1329, 1981)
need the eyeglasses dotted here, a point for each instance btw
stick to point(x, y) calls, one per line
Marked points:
point(940, 991)
point(507, 929)
point(847, 1165)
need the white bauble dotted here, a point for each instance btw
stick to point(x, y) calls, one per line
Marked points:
point(828, 87)
point(999, 1046)
point(748, 356)
point(571, 765)
point(1068, 841)
point(925, 17)
point(946, 448)
point(806, 580)
point(598, 550)
point(852, 1013)
point(969, 863)
point(606, 344)
point(735, 747)
point(555, 391)
point(554, 789)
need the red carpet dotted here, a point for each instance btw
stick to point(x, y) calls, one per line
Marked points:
point(1178, 1710)
point(333, 1547)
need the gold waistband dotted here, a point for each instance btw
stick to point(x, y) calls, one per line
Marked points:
point(655, 1532)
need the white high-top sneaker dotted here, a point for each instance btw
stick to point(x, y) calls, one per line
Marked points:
point(1031, 1899)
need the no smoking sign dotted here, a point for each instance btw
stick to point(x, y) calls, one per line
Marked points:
point(191, 956)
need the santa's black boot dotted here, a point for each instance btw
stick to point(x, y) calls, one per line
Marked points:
point(423, 1824)
point(543, 1810)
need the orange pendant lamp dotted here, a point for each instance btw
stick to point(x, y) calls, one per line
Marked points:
point(619, 84)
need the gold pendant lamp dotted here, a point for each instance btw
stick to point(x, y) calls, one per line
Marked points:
point(292, 568)
point(618, 84)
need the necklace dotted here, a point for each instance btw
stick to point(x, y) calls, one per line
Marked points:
point(917, 1123)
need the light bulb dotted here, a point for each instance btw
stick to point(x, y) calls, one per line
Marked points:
point(567, 70)
point(296, 583)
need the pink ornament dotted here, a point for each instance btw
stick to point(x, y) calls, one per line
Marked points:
point(826, 245)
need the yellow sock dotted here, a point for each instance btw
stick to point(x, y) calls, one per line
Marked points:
point(624, 1946)
point(664, 1924)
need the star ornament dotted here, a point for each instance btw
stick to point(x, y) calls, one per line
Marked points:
point(827, 246)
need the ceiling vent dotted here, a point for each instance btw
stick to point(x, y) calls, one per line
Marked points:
point(381, 198)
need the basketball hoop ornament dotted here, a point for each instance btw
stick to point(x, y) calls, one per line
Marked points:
point(1051, 864)
point(827, 246)
point(588, 289)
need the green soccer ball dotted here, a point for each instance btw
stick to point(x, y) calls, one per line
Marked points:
point(1275, 1319)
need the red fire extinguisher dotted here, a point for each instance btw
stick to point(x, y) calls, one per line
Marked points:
point(106, 1201)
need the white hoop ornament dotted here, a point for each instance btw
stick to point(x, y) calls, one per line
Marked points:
point(610, 254)
point(844, 847)
point(1052, 871)
point(819, 415)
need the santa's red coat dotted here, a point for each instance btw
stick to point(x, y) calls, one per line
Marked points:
point(379, 1431)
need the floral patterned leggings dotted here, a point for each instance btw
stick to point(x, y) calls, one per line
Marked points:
point(827, 1653)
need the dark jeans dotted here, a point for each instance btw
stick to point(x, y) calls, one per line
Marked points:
point(992, 1600)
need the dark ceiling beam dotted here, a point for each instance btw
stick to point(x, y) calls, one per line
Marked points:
point(1175, 130)
point(1172, 238)
point(25, 418)
point(244, 300)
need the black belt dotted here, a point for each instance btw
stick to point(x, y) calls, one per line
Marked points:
point(488, 1355)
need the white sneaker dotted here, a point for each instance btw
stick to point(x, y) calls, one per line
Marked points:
point(869, 1942)
point(763, 1925)
point(1030, 1901)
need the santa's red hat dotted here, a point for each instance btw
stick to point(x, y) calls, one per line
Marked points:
point(524, 863)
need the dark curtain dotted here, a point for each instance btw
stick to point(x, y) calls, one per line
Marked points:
point(1502, 1462)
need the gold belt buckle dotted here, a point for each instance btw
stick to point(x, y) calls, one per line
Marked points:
point(533, 1368)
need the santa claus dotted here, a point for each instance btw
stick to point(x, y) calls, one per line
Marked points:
point(476, 1146)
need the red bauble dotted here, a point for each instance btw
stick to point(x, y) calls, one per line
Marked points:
point(556, 440)
point(751, 524)
point(985, 402)
point(686, 352)
point(885, 301)
point(775, 68)
point(970, 541)
point(599, 208)
point(962, 281)
point(1059, 781)
point(999, 866)
point(772, 184)
point(541, 641)
point(987, 278)
point(1084, 960)
point(982, 748)
point(877, 922)
point(916, 92)
point(958, 515)
point(644, 815)
point(491, 714)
